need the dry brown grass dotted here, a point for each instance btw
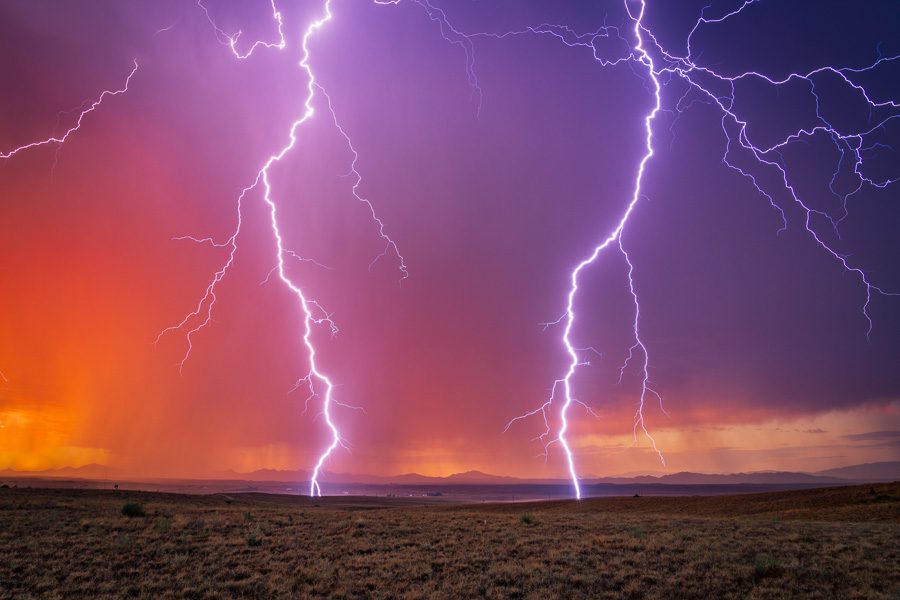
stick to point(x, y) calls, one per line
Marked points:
point(836, 543)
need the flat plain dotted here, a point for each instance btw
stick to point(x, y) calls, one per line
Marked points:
point(821, 543)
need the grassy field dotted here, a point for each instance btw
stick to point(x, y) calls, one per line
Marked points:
point(832, 543)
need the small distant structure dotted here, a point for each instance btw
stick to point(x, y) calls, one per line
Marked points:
point(115, 486)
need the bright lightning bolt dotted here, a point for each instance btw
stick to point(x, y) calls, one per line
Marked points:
point(659, 72)
point(316, 381)
point(635, 54)
point(613, 238)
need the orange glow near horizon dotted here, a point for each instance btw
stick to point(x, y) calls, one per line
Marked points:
point(38, 440)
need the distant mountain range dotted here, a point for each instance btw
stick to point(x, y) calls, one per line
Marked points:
point(882, 471)
point(887, 471)
point(688, 478)
point(91, 471)
point(870, 472)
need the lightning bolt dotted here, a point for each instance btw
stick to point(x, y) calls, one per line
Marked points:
point(59, 140)
point(636, 54)
point(84, 110)
point(734, 128)
point(614, 237)
point(319, 384)
point(165, 29)
point(390, 246)
point(231, 40)
point(658, 68)
point(453, 36)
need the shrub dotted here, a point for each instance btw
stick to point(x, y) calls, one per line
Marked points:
point(765, 566)
point(163, 525)
point(133, 509)
point(527, 519)
point(254, 538)
point(636, 531)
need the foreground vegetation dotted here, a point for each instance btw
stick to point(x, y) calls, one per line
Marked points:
point(834, 543)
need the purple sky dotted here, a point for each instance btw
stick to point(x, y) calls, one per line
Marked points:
point(757, 338)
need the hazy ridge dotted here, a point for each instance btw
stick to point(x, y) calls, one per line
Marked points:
point(869, 472)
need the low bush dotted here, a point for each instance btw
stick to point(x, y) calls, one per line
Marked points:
point(765, 566)
point(133, 509)
point(254, 538)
